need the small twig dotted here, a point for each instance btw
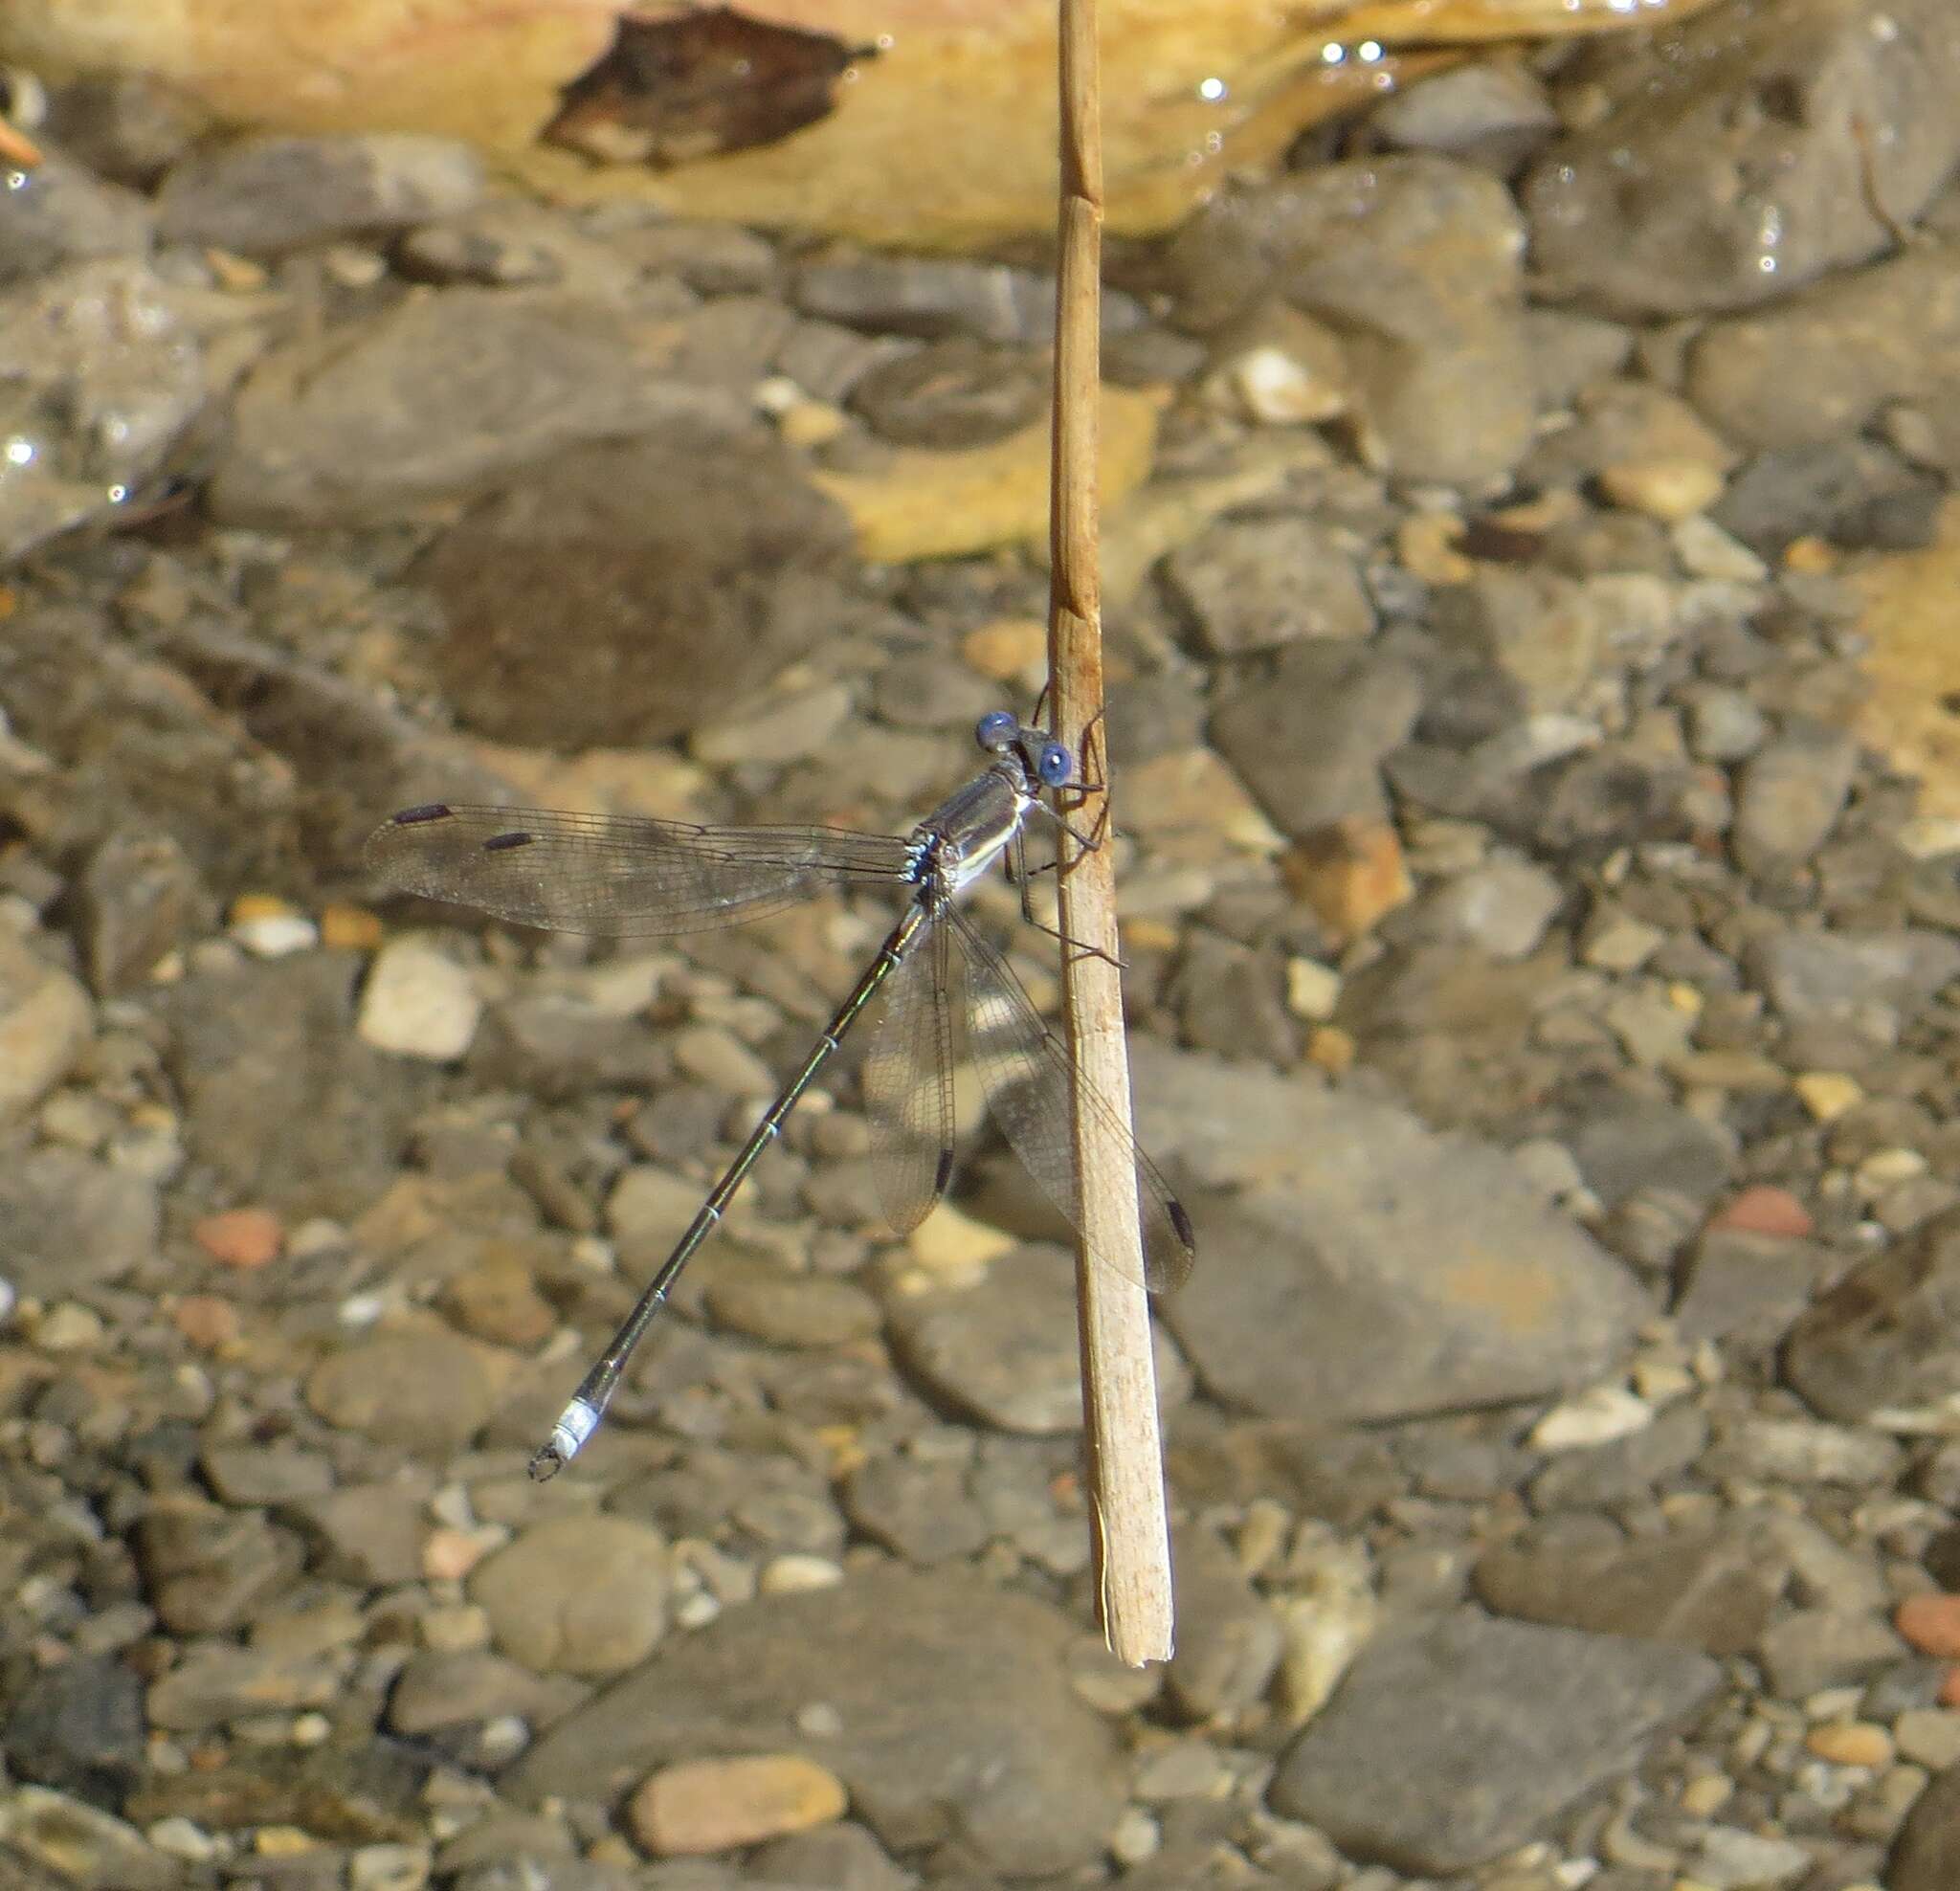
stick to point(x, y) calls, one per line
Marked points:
point(1125, 1459)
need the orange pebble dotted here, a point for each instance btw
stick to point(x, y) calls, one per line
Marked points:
point(449, 1555)
point(1764, 1209)
point(207, 1321)
point(1949, 1689)
point(349, 927)
point(244, 1238)
point(1931, 1624)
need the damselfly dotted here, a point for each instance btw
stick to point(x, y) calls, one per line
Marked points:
point(624, 875)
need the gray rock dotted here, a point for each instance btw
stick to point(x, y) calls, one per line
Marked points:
point(771, 1303)
point(139, 898)
point(423, 1390)
point(942, 1704)
point(72, 1222)
point(583, 1595)
point(1227, 1641)
point(1541, 629)
point(128, 127)
point(45, 1019)
point(68, 1843)
point(435, 1691)
point(1435, 1754)
point(1706, 1589)
point(1307, 730)
point(921, 1509)
point(1250, 583)
point(1792, 792)
point(1884, 1336)
point(1374, 1269)
point(1816, 1648)
point(1851, 491)
point(1228, 999)
point(1723, 725)
point(379, 416)
point(105, 365)
point(60, 213)
point(1747, 1289)
point(1930, 1841)
point(216, 1683)
point(1629, 1145)
point(1801, 1451)
point(630, 591)
point(1007, 1353)
point(367, 1534)
point(1416, 262)
point(78, 1728)
point(249, 1473)
point(1673, 202)
point(954, 393)
point(1810, 371)
point(262, 195)
point(283, 1102)
point(1501, 908)
point(840, 1858)
point(932, 296)
point(206, 1570)
point(1811, 975)
point(1729, 1858)
point(1491, 112)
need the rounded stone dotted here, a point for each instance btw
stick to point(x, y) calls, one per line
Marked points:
point(578, 1595)
point(704, 1806)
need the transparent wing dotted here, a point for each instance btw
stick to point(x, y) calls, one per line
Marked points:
point(620, 874)
point(1024, 1069)
point(908, 1084)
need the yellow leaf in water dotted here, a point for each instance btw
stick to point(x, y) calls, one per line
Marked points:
point(922, 504)
point(1912, 713)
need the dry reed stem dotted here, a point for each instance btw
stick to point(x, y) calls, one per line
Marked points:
point(1124, 1450)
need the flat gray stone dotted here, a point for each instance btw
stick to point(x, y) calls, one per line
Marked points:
point(283, 1102)
point(1884, 1336)
point(380, 416)
point(1922, 1860)
point(423, 1390)
point(1007, 1353)
point(70, 1221)
point(1838, 974)
point(104, 339)
point(1792, 791)
point(632, 590)
point(941, 1703)
point(1672, 202)
point(578, 1594)
point(263, 195)
point(1250, 583)
point(1374, 1269)
point(1442, 1749)
point(1709, 1590)
point(1307, 730)
point(64, 213)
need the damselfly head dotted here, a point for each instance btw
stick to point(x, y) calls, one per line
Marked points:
point(1044, 758)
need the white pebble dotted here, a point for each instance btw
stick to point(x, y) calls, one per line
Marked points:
point(787, 1575)
point(1596, 1417)
point(419, 1002)
point(1312, 989)
point(275, 935)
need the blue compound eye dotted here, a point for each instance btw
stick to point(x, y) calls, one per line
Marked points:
point(1054, 765)
point(997, 729)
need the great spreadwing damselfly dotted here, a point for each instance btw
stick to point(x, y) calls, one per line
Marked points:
point(623, 875)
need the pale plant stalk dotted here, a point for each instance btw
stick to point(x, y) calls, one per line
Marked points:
point(1125, 1449)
